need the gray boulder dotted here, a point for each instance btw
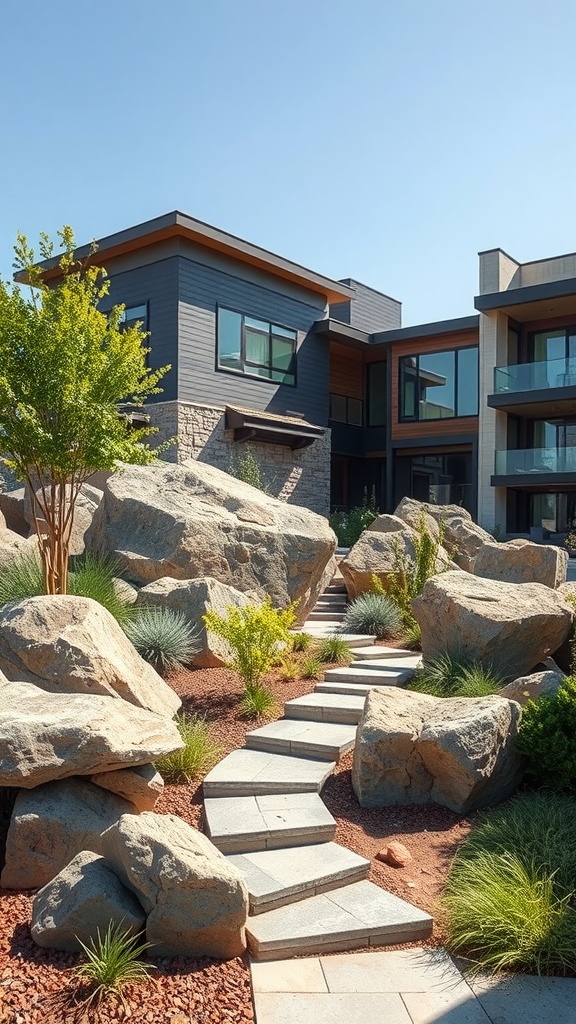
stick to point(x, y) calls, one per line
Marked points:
point(464, 539)
point(48, 736)
point(142, 786)
point(82, 901)
point(52, 824)
point(12, 508)
point(14, 547)
point(376, 553)
point(196, 901)
point(194, 598)
point(507, 626)
point(522, 563)
point(532, 687)
point(67, 644)
point(412, 748)
point(192, 520)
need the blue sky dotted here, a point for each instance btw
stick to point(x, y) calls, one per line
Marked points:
point(387, 140)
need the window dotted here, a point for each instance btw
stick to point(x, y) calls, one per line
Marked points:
point(439, 385)
point(255, 347)
point(133, 315)
point(377, 394)
point(347, 410)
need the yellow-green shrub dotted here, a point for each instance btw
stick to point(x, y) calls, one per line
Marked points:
point(255, 635)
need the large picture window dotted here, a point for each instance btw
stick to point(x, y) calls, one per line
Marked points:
point(255, 347)
point(439, 385)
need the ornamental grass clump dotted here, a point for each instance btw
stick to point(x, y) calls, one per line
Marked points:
point(510, 895)
point(200, 752)
point(446, 676)
point(163, 637)
point(112, 961)
point(375, 614)
point(333, 649)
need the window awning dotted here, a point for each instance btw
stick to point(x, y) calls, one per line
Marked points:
point(270, 428)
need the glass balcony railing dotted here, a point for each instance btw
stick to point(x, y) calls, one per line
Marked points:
point(535, 460)
point(553, 373)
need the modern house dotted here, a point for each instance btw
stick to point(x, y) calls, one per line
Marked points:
point(336, 399)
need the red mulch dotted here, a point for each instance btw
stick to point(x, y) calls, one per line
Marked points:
point(36, 985)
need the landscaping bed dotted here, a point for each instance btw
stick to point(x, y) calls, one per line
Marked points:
point(33, 981)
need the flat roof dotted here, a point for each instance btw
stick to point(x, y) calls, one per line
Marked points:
point(531, 293)
point(460, 323)
point(176, 224)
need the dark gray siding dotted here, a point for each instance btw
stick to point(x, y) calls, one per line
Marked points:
point(370, 311)
point(202, 287)
point(156, 284)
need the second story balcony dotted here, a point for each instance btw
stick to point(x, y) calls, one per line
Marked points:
point(534, 467)
point(549, 385)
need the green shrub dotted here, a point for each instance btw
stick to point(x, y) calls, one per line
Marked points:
point(163, 637)
point(258, 702)
point(200, 751)
point(447, 676)
point(375, 614)
point(112, 961)
point(312, 668)
point(547, 738)
point(510, 893)
point(255, 635)
point(333, 649)
point(409, 575)
point(247, 469)
point(350, 525)
point(300, 642)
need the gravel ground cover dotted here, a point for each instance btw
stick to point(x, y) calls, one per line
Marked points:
point(36, 985)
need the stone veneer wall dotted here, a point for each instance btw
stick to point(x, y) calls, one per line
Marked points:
point(299, 477)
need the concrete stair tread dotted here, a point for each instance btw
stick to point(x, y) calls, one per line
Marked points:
point(381, 651)
point(318, 632)
point(360, 914)
point(325, 616)
point(352, 689)
point(277, 877)
point(326, 708)
point(242, 824)
point(387, 664)
point(313, 739)
point(257, 772)
point(366, 675)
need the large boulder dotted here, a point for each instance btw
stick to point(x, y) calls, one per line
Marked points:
point(48, 736)
point(80, 903)
point(412, 748)
point(193, 520)
point(464, 539)
point(376, 553)
point(509, 627)
point(52, 824)
point(194, 598)
point(142, 786)
point(12, 509)
point(522, 563)
point(67, 644)
point(534, 686)
point(14, 547)
point(413, 513)
point(196, 901)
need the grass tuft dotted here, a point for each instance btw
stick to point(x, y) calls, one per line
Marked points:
point(112, 961)
point(455, 677)
point(312, 668)
point(200, 752)
point(333, 649)
point(163, 637)
point(258, 702)
point(300, 642)
point(375, 614)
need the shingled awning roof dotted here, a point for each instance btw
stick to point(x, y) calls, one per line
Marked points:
point(255, 425)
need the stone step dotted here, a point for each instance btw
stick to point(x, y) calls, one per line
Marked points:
point(325, 616)
point(388, 664)
point(317, 632)
point(360, 914)
point(331, 600)
point(343, 552)
point(257, 772)
point(337, 587)
point(330, 606)
point(368, 675)
point(320, 707)
point(380, 651)
point(307, 739)
point(352, 689)
point(278, 877)
point(243, 824)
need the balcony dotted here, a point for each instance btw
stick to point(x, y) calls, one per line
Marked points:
point(549, 385)
point(536, 468)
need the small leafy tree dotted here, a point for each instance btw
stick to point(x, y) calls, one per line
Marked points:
point(410, 574)
point(64, 369)
point(255, 635)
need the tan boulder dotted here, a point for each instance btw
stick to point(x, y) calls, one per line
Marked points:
point(376, 553)
point(413, 512)
point(46, 736)
point(67, 644)
point(412, 748)
point(464, 539)
point(80, 903)
point(14, 547)
point(193, 520)
point(522, 563)
point(506, 626)
point(142, 786)
point(533, 686)
point(12, 509)
point(196, 901)
point(51, 824)
point(194, 598)
point(87, 502)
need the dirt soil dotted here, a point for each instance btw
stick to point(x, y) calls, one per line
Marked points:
point(36, 985)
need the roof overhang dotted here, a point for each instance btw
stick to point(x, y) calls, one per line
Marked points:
point(335, 330)
point(553, 298)
point(176, 224)
point(543, 404)
point(460, 323)
point(270, 428)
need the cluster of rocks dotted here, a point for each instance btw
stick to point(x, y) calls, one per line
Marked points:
point(82, 720)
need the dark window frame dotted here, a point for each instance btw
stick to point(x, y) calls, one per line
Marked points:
point(251, 363)
point(569, 331)
point(347, 399)
point(402, 418)
point(128, 321)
